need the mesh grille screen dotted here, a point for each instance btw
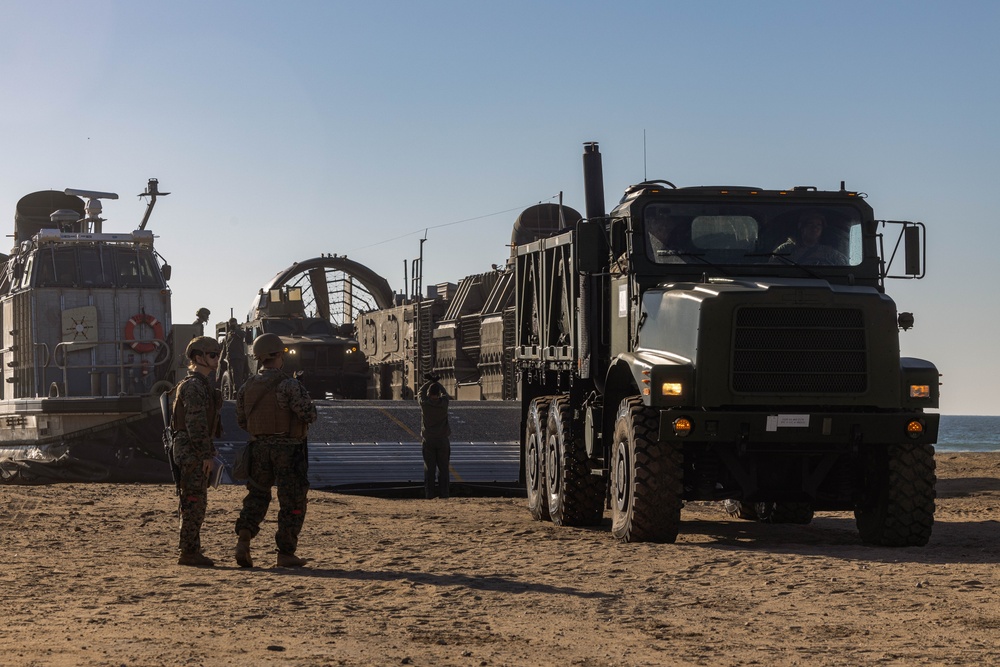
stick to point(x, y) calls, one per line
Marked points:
point(800, 350)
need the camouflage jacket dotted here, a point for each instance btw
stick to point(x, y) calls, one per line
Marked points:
point(289, 399)
point(196, 419)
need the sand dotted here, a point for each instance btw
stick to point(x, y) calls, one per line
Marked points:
point(88, 576)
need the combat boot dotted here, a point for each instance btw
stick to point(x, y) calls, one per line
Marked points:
point(243, 549)
point(290, 560)
point(196, 560)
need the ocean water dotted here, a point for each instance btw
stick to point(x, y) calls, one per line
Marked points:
point(968, 434)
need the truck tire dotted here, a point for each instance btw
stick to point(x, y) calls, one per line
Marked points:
point(534, 455)
point(575, 496)
point(784, 512)
point(646, 478)
point(897, 506)
point(739, 509)
point(226, 387)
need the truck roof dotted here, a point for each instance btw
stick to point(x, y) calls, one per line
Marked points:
point(665, 188)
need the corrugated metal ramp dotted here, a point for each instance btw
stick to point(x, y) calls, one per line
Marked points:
point(375, 445)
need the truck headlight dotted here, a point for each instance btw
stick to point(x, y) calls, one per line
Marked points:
point(673, 389)
point(915, 428)
point(920, 391)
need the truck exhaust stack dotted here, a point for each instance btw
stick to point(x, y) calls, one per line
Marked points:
point(593, 180)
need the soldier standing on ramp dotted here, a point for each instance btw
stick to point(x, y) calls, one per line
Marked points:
point(194, 422)
point(235, 353)
point(434, 434)
point(201, 319)
point(276, 411)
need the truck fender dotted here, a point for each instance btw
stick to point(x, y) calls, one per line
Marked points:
point(625, 378)
point(621, 382)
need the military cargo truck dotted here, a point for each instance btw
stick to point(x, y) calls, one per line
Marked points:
point(326, 359)
point(724, 344)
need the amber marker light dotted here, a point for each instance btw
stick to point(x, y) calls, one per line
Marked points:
point(672, 389)
point(682, 426)
point(920, 391)
point(915, 429)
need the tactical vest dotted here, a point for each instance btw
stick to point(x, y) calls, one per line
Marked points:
point(179, 413)
point(265, 416)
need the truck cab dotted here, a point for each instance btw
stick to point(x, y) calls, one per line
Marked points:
point(760, 297)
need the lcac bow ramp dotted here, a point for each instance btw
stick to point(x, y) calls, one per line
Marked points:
point(374, 446)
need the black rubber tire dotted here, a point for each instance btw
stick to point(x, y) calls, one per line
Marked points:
point(647, 478)
point(575, 496)
point(897, 506)
point(534, 458)
point(226, 387)
point(739, 509)
point(784, 512)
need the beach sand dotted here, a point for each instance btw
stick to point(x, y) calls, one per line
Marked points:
point(88, 576)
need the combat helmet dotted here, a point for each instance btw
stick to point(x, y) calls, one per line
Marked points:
point(266, 346)
point(203, 312)
point(201, 345)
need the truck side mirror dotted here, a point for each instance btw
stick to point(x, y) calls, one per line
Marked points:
point(166, 272)
point(911, 240)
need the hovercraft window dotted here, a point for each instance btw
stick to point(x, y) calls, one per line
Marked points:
point(137, 268)
point(93, 271)
point(56, 267)
point(95, 267)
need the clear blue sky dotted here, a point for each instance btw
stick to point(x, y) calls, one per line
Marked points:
point(286, 130)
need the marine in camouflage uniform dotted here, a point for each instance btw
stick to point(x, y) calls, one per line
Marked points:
point(201, 319)
point(276, 411)
point(194, 422)
point(235, 353)
point(434, 433)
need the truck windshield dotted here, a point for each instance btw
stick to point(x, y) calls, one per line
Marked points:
point(823, 235)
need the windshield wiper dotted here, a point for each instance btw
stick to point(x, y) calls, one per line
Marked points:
point(784, 257)
point(700, 256)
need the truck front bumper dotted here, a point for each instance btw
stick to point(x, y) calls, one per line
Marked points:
point(797, 429)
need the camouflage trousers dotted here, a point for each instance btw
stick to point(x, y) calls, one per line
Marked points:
point(193, 503)
point(437, 454)
point(285, 465)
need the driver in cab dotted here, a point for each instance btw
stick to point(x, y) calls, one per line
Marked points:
point(807, 246)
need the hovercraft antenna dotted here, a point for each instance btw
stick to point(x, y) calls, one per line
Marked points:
point(152, 192)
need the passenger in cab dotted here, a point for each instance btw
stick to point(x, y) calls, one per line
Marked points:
point(807, 246)
point(667, 239)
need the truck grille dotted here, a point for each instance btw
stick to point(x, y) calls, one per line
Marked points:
point(800, 350)
point(322, 357)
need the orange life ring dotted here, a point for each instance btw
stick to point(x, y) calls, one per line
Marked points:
point(136, 320)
